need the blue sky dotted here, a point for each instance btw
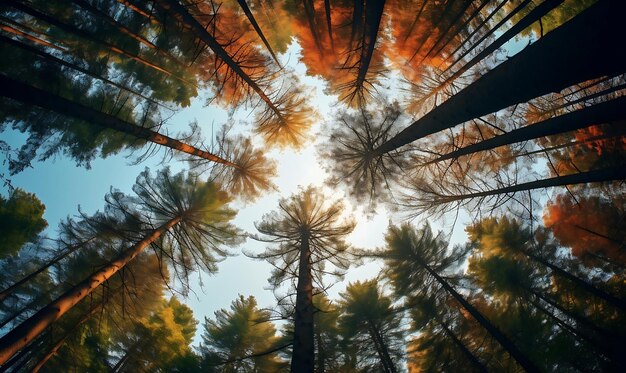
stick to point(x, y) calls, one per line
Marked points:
point(62, 187)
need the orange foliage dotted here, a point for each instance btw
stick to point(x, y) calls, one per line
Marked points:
point(591, 226)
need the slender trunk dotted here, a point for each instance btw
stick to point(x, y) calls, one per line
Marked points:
point(136, 9)
point(605, 136)
point(22, 34)
point(61, 341)
point(409, 32)
point(383, 350)
point(35, 96)
point(329, 23)
point(613, 112)
point(19, 337)
point(603, 92)
point(595, 176)
point(8, 291)
point(462, 28)
point(504, 341)
point(618, 303)
point(598, 234)
point(470, 356)
point(181, 14)
point(474, 32)
point(309, 10)
point(18, 361)
point(73, 66)
point(246, 9)
point(373, 15)
point(303, 358)
point(581, 49)
point(426, 35)
point(501, 39)
point(357, 21)
point(444, 33)
point(91, 38)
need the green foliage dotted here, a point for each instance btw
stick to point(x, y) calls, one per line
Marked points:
point(21, 220)
point(241, 340)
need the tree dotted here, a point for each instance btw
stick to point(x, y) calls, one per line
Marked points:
point(488, 95)
point(241, 340)
point(21, 220)
point(310, 234)
point(415, 257)
point(188, 221)
point(373, 325)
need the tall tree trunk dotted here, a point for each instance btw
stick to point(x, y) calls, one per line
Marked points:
point(504, 341)
point(444, 33)
point(463, 26)
point(61, 341)
point(303, 358)
point(357, 22)
point(517, 28)
point(613, 112)
point(470, 356)
point(246, 9)
point(373, 15)
point(329, 23)
point(618, 303)
point(8, 291)
point(31, 95)
point(19, 337)
point(581, 49)
point(409, 32)
point(181, 14)
point(383, 351)
point(436, 25)
point(321, 353)
point(53, 59)
point(91, 38)
point(595, 176)
point(474, 32)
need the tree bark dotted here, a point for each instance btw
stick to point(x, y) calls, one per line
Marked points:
point(73, 66)
point(470, 356)
point(181, 13)
point(383, 351)
point(614, 301)
point(613, 112)
point(19, 337)
point(504, 341)
point(8, 291)
point(303, 357)
point(61, 341)
point(582, 49)
point(595, 176)
point(28, 94)
point(246, 9)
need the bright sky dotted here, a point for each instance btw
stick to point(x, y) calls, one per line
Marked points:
point(62, 186)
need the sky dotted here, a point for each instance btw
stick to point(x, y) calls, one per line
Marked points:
point(64, 188)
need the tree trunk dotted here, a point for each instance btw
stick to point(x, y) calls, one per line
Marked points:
point(73, 66)
point(8, 291)
point(61, 341)
point(470, 356)
point(474, 32)
point(469, 19)
point(533, 16)
point(31, 95)
point(613, 112)
point(246, 9)
point(444, 33)
point(582, 49)
point(181, 14)
point(321, 354)
point(504, 341)
point(383, 351)
point(329, 23)
point(373, 15)
point(91, 38)
point(618, 303)
point(303, 357)
point(595, 176)
point(19, 337)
